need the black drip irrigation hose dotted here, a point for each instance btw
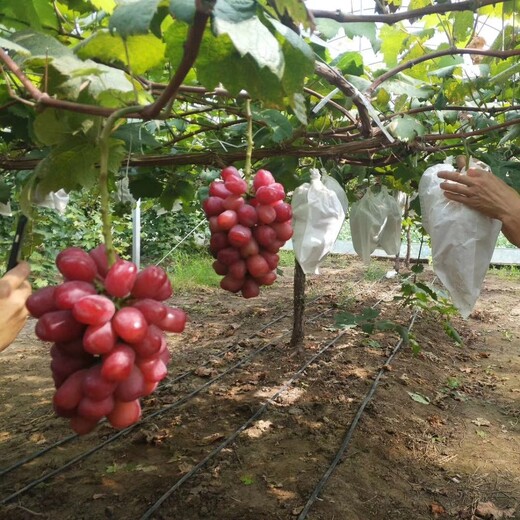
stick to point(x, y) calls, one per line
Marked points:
point(257, 414)
point(237, 432)
point(171, 406)
point(37, 454)
point(182, 376)
point(123, 432)
point(353, 425)
point(178, 378)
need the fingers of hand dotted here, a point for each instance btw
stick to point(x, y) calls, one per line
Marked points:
point(14, 279)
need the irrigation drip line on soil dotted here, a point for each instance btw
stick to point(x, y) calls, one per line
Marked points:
point(260, 411)
point(33, 456)
point(157, 413)
point(237, 432)
point(161, 411)
point(353, 425)
point(170, 383)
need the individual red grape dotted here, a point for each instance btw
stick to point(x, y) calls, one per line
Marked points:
point(247, 215)
point(284, 230)
point(229, 172)
point(95, 385)
point(130, 324)
point(233, 203)
point(227, 219)
point(58, 326)
point(132, 387)
point(174, 321)
point(76, 264)
point(68, 293)
point(99, 255)
point(82, 425)
point(153, 370)
point(266, 213)
point(238, 270)
point(151, 343)
point(262, 178)
point(165, 291)
point(153, 310)
point(283, 211)
point(100, 339)
point(117, 364)
point(95, 409)
point(218, 241)
point(257, 265)
point(213, 224)
point(41, 301)
point(250, 289)
point(266, 279)
point(228, 283)
point(213, 206)
point(272, 259)
point(120, 278)
point(124, 414)
point(94, 309)
point(264, 235)
point(219, 189)
point(239, 235)
point(148, 282)
point(220, 268)
point(69, 394)
point(236, 185)
point(251, 248)
point(228, 256)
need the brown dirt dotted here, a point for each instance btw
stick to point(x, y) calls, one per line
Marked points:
point(456, 457)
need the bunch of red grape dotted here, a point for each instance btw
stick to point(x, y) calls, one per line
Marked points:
point(247, 232)
point(107, 326)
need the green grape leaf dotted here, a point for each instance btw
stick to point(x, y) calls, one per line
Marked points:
point(183, 10)
point(5, 192)
point(252, 37)
point(70, 165)
point(11, 46)
point(392, 38)
point(296, 10)
point(277, 123)
point(104, 5)
point(349, 63)
point(138, 17)
point(33, 13)
point(147, 186)
point(110, 49)
point(299, 108)
point(234, 11)
point(463, 22)
point(406, 128)
point(298, 55)
point(366, 29)
point(39, 44)
point(327, 28)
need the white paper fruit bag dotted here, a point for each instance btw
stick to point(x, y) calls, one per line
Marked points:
point(319, 210)
point(462, 240)
point(375, 221)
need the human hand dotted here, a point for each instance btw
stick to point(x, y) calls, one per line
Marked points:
point(481, 190)
point(14, 291)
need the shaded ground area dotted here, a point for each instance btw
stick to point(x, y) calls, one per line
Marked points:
point(242, 430)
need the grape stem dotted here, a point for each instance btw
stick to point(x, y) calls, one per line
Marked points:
point(104, 155)
point(250, 143)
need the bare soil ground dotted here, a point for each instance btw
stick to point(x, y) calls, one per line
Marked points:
point(219, 440)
